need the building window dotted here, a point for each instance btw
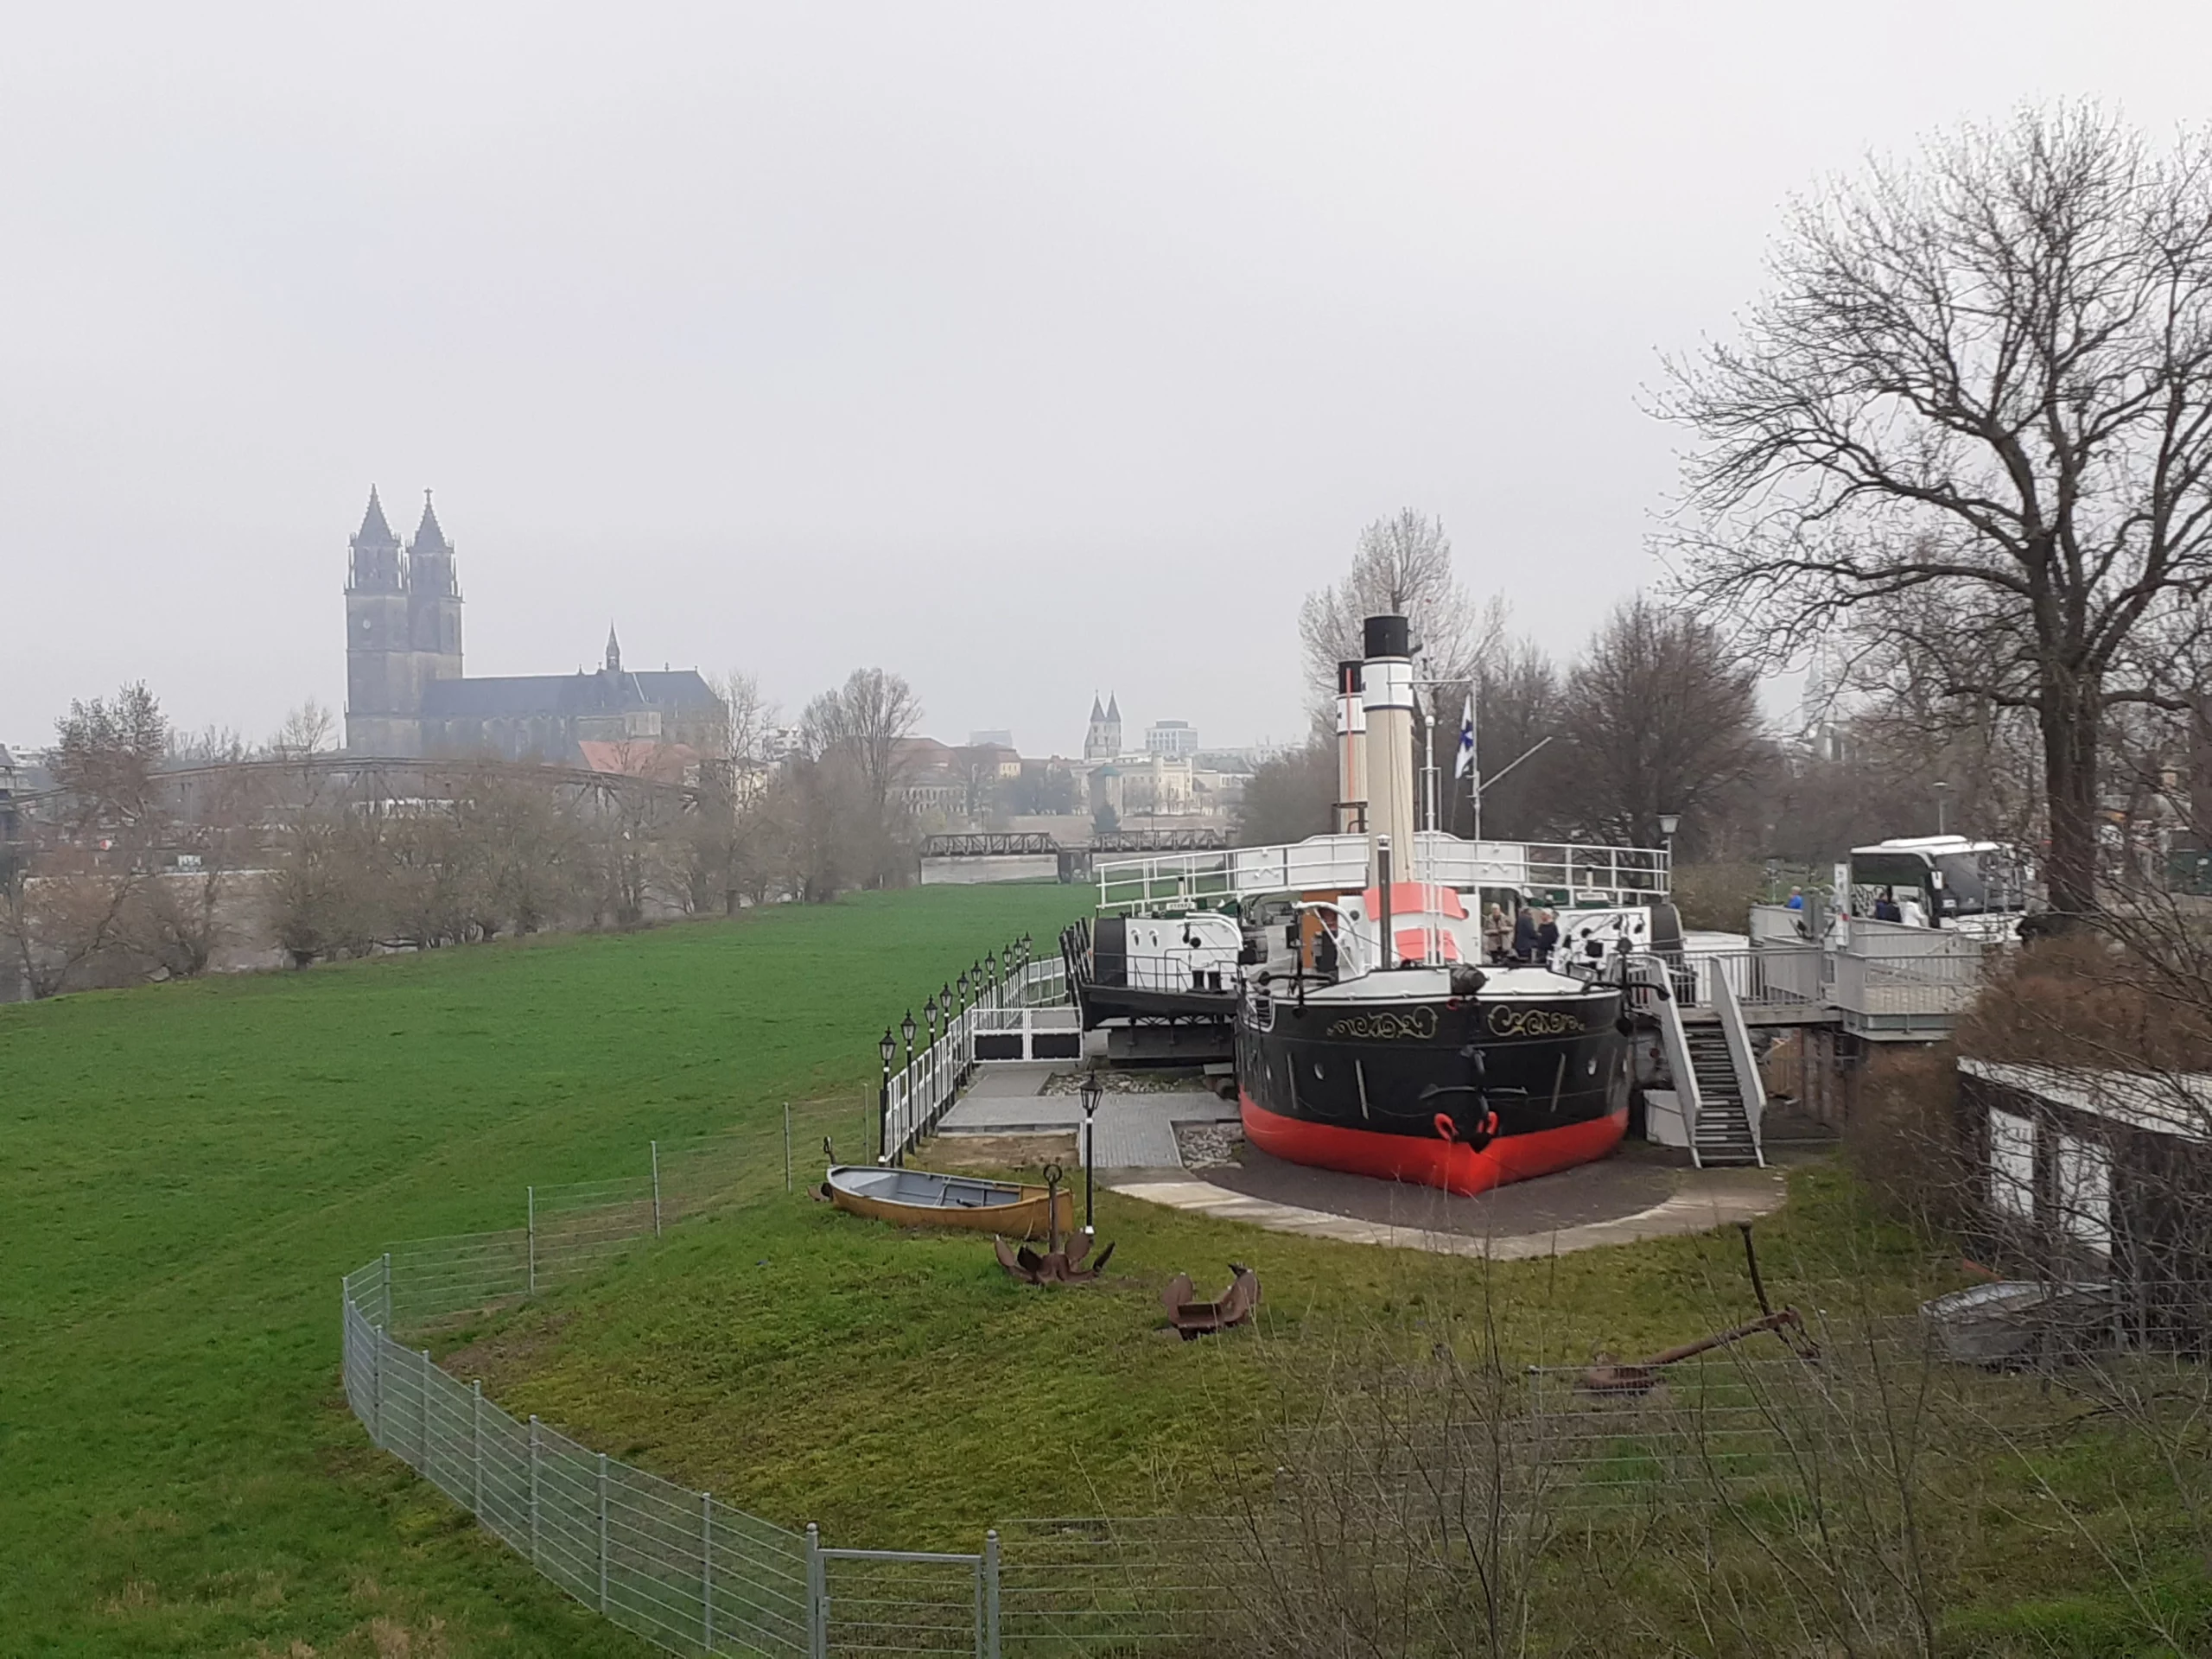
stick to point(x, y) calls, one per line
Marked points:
point(2012, 1165)
point(2085, 1192)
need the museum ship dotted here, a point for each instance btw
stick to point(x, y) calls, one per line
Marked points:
point(1375, 1038)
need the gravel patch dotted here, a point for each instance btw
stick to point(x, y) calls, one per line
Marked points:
point(1210, 1146)
point(1167, 1080)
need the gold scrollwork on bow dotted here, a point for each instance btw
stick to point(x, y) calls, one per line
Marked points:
point(1532, 1022)
point(1417, 1026)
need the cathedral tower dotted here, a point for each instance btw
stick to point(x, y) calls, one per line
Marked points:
point(433, 603)
point(383, 701)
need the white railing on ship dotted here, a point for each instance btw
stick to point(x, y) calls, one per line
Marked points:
point(1618, 875)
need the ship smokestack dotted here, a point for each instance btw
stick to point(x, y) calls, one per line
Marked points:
point(1351, 752)
point(1387, 693)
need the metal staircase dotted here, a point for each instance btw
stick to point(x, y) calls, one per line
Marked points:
point(1724, 1133)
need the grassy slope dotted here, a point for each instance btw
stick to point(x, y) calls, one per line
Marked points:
point(186, 1171)
point(899, 1389)
point(896, 1388)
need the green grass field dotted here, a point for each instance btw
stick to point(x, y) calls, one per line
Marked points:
point(190, 1170)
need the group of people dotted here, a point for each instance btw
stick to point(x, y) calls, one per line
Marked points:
point(1530, 936)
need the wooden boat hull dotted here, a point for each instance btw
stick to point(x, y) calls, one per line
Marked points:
point(1023, 1218)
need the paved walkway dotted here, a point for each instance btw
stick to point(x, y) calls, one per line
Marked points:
point(1133, 1131)
point(1694, 1201)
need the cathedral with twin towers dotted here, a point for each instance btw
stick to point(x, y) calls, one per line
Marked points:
point(406, 695)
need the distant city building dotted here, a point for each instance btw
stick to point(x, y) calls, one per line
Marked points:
point(1171, 737)
point(406, 695)
point(992, 739)
point(7, 795)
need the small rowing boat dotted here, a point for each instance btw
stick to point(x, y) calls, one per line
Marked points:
point(922, 1197)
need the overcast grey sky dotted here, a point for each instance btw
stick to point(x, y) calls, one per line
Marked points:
point(1021, 348)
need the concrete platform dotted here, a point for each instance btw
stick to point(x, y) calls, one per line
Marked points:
point(1133, 1131)
point(1637, 1194)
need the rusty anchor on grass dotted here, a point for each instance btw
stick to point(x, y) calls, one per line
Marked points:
point(1609, 1375)
point(1192, 1320)
point(1060, 1264)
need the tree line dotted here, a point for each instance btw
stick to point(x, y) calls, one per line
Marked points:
point(160, 855)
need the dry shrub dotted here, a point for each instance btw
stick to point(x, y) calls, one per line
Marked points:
point(1717, 896)
point(2083, 999)
point(1902, 1138)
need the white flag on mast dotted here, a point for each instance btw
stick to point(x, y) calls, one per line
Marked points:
point(1466, 760)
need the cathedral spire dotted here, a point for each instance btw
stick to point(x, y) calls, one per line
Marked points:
point(428, 534)
point(374, 530)
point(614, 651)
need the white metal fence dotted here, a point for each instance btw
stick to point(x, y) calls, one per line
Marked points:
point(1016, 1018)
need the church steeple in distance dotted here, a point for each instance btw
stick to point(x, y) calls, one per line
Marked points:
point(614, 651)
point(375, 567)
point(433, 600)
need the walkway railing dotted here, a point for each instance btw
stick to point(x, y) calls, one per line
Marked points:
point(1003, 1025)
point(1769, 976)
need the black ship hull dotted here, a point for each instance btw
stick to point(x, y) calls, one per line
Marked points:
point(1461, 1093)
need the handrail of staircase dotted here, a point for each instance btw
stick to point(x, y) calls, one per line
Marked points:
point(1653, 974)
point(1741, 1060)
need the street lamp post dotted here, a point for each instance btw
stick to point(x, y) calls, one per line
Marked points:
point(1090, 1097)
point(906, 1094)
point(1942, 800)
point(1668, 822)
point(886, 1048)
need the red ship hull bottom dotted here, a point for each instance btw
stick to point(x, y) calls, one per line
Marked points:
point(1453, 1165)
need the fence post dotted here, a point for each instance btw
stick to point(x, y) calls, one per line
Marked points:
point(533, 1488)
point(655, 1145)
point(476, 1446)
point(787, 1145)
point(376, 1376)
point(530, 1224)
point(987, 1637)
point(602, 1534)
point(707, 1570)
point(817, 1598)
point(387, 1290)
point(422, 1441)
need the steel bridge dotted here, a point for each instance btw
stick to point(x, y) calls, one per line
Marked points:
point(1073, 857)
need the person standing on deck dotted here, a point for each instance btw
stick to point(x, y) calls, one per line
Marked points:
point(1547, 939)
point(1524, 934)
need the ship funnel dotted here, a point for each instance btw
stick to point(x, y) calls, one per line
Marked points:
point(1351, 752)
point(1387, 697)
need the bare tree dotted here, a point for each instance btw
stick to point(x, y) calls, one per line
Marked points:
point(1517, 733)
point(105, 754)
point(1289, 796)
point(1979, 398)
point(1403, 566)
point(307, 730)
point(858, 733)
point(1660, 716)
